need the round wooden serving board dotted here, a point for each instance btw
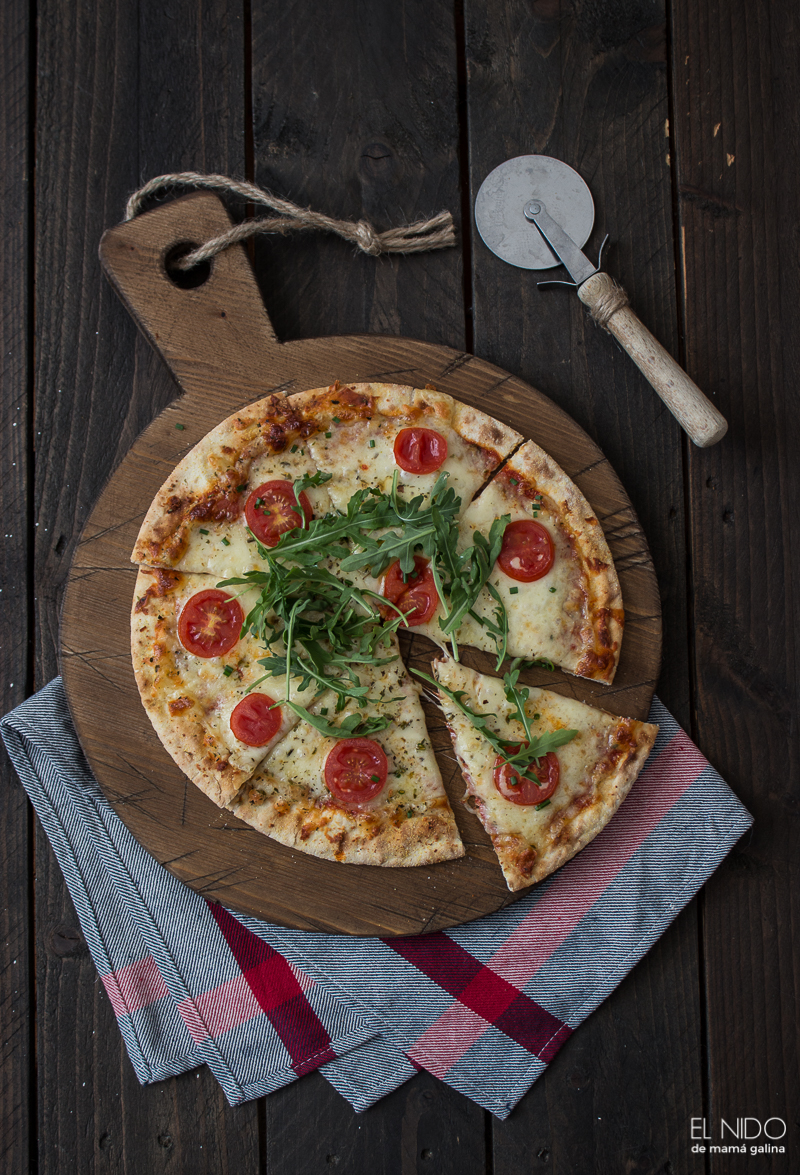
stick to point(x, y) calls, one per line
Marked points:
point(220, 346)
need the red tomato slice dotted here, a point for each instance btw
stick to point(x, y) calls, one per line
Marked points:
point(420, 450)
point(527, 552)
point(524, 789)
point(256, 720)
point(356, 770)
point(210, 623)
point(271, 510)
point(417, 597)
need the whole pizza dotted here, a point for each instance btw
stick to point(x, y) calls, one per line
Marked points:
point(277, 565)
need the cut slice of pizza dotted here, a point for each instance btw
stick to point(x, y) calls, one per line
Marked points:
point(196, 674)
point(236, 483)
point(366, 434)
point(539, 818)
point(376, 800)
point(554, 574)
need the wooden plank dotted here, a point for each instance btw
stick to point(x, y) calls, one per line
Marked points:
point(422, 1126)
point(125, 90)
point(587, 84)
point(355, 113)
point(736, 102)
point(16, 978)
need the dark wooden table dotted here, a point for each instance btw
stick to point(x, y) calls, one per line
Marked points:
point(683, 118)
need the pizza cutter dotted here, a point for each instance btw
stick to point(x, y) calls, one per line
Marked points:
point(536, 212)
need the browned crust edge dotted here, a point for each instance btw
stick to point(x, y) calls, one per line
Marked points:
point(353, 838)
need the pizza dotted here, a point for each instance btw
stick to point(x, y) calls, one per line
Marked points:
point(277, 564)
point(538, 814)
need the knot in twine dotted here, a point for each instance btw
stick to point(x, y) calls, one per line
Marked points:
point(610, 301)
point(422, 235)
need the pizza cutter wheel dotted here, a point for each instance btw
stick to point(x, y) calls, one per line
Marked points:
point(536, 212)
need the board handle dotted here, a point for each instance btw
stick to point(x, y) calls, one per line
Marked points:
point(209, 324)
point(695, 413)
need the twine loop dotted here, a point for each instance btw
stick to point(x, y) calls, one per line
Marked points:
point(609, 302)
point(436, 233)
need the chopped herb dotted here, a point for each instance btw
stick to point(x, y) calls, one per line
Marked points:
point(203, 531)
point(537, 717)
point(226, 542)
point(375, 778)
point(227, 670)
point(336, 420)
point(544, 804)
point(243, 486)
point(328, 435)
point(409, 811)
point(372, 443)
point(180, 427)
point(536, 514)
point(513, 591)
point(259, 502)
point(324, 710)
point(513, 481)
point(552, 589)
point(293, 449)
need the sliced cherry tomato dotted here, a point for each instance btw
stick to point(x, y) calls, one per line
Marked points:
point(256, 719)
point(416, 596)
point(210, 623)
point(536, 785)
point(420, 450)
point(356, 770)
point(271, 510)
point(527, 552)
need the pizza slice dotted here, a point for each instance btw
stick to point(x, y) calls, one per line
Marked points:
point(364, 435)
point(196, 672)
point(554, 573)
point(236, 483)
point(376, 800)
point(538, 816)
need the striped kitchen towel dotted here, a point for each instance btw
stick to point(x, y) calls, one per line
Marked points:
point(485, 1007)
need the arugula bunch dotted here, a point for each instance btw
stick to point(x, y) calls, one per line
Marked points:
point(534, 747)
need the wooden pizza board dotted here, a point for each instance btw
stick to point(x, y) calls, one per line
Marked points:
point(219, 344)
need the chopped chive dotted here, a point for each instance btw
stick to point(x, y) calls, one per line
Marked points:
point(227, 670)
point(372, 443)
point(375, 778)
point(544, 804)
point(243, 486)
point(536, 514)
point(536, 716)
point(324, 710)
point(203, 531)
point(552, 589)
point(226, 542)
point(409, 811)
point(513, 481)
point(259, 501)
point(336, 420)
point(180, 427)
point(293, 449)
point(513, 591)
point(328, 435)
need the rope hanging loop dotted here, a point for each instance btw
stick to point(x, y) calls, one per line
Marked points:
point(436, 233)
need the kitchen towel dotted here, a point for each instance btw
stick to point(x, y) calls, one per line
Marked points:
point(485, 1006)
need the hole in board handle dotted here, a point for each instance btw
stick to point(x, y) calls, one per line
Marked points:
point(185, 279)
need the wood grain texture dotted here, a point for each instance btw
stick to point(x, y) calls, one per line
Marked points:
point(17, 1140)
point(587, 83)
point(423, 1126)
point(736, 114)
point(202, 845)
point(125, 90)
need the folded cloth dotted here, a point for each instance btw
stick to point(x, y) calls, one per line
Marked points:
point(485, 1006)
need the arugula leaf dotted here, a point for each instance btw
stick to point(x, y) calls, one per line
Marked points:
point(537, 746)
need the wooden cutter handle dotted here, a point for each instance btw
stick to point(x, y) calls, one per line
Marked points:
point(217, 334)
point(691, 408)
